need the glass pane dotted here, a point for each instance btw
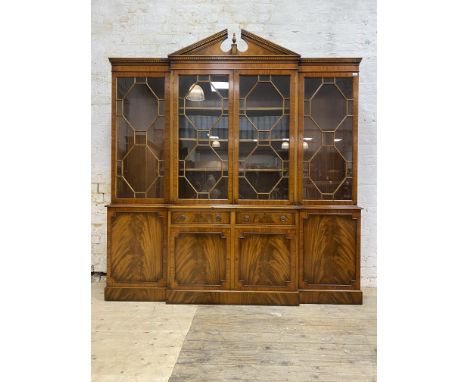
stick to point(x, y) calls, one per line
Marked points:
point(328, 139)
point(203, 136)
point(140, 107)
point(312, 140)
point(328, 107)
point(346, 86)
point(344, 139)
point(123, 86)
point(311, 191)
point(327, 169)
point(156, 84)
point(140, 138)
point(345, 191)
point(140, 168)
point(246, 191)
point(311, 85)
point(264, 137)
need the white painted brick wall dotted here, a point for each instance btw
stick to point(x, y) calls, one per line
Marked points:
point(312, 28)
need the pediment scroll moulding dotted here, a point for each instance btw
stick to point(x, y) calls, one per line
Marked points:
point(210, 49)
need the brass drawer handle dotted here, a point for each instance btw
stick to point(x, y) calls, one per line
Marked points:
point(181, 218)
point(246, 218)
point(218, 218)
point(283, 219)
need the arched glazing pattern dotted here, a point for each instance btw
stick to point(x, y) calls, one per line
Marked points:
point(328, 139)
point(203, 136)
point(140, 137)
point(264, 137)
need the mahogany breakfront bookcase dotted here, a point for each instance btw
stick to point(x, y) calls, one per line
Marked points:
point(234, 177)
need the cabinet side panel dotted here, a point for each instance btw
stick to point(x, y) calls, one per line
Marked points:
point(329, 255)
point(137, 246)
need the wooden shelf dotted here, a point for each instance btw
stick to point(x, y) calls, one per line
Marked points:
point(210, 108)
point(195, 139)
point(201, 108)
point(227, 140)
point(202, 170)
point(260, 108)
point(240, 170)
point(262, 170)
point(256, 140)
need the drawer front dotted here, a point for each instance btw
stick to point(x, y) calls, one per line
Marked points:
point(266, 217)
point(200, 217)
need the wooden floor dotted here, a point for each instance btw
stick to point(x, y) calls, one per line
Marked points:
point(142, 342)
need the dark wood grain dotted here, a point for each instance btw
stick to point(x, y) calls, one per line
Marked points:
point(353, 297)
point(329, 249)
point(200, 259)
point(232, 297)
point(134, 294)
point(265, 259)
point(267, 217)
point(202, 217)
point(137, 244)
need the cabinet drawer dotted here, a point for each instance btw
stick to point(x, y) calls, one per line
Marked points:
point(201, 217)
point(266, 217)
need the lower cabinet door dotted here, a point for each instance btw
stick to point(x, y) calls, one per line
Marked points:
point(265, 259)
point(330, 250)
point(137, 247)
point(199, 258)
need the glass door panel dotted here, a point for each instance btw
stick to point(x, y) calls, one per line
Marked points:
point(264, 137)
point(203, 136)
point(328, 138)
point(140, 137)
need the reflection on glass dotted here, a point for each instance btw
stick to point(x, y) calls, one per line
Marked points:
point(328, 138)
point(203, 136)
point(264, 137)
point(196, 93)
point(140, 137)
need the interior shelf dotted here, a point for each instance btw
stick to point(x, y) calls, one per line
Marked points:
point(262, 170)
point(227, 140)
point(201, 108)
point(260, 108)
point(202, 170)
point(195, 139)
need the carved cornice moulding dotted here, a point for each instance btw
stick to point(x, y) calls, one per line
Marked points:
point(209, 50)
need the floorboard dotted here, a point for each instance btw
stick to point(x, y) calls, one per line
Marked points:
point(153, 341)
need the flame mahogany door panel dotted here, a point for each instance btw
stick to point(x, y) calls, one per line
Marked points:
point(200, 258)
point(330, 250)
point(265, 259)
point(137, 247)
